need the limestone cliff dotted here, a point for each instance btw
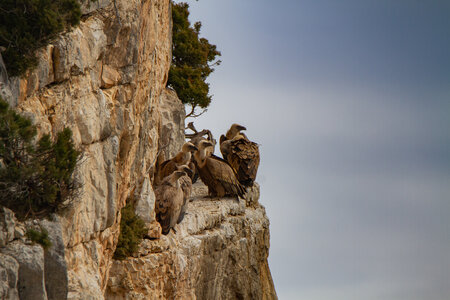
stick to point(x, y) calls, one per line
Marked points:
point(219, 251)
point(106, 81)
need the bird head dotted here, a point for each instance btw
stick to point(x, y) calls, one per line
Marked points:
point(186, 170)
point(234, 129)
point(189, 147)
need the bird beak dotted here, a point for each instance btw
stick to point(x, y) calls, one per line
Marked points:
point(240, 127)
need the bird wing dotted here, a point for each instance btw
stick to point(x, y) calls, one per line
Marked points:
point(244, 158)
point(224, 174)
point(163, 208)
point(225, 148)
point(167, 168)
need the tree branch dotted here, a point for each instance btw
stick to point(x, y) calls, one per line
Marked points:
point(192, 114)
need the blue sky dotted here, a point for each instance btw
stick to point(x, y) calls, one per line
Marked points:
point(350, 101)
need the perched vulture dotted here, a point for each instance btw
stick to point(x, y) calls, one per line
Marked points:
point(216, 173)
point(231, 133)
point(241, 153)
point(196, 138)
point(171, 165)
point(186, 187)
point(169, 201)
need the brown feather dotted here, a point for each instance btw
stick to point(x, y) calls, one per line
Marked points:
point(216, 173)
point(186, 187)
point(171, 165)
point(243, 156)
point(169, 201)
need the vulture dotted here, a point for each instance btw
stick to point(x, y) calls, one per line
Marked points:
point(169, 201)
point(234, 130)
point(171, 165)
point(216, 173)
point(241, 153)
point(196, 138)
point(186, 187)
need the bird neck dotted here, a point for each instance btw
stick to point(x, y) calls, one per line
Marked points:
point(183, 157)
point(231, 133)
point(200, 157)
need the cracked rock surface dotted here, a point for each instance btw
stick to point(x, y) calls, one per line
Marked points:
point(219, 251)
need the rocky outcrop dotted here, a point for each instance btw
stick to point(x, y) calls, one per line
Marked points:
point(9, 270)
point(219, 251)
point(106, 80)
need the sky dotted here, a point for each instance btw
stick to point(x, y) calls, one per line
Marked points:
point(350, 103)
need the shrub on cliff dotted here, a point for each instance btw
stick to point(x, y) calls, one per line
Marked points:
point(27, 25)
point(35, 180)
point(132, 231)
point(40, 237)
point(192, 60)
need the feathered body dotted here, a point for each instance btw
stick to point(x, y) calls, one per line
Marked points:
point(171, 165)
point(169, 201)
point(241, 153)
point(216, 173)
point(186, 186)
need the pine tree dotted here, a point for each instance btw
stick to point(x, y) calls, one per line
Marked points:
point(35, 180)
point(192, 60)
point(27, 25)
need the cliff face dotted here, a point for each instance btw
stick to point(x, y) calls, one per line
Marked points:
point(106, 81)
point(219, 251)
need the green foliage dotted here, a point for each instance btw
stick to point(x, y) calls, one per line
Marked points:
point(191, 58)
point(40, 237)
point(27, 25)
point(132, 231)
point(35, 180)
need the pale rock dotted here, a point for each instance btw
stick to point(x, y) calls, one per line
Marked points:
point(97, 173)
point(252, 194)
point(7, 226)
point(154, 230)
point(145, 202)
point(110, 77)
point(219, 251)
point(56, 279)
point(43, 74)
point(78, 50)
point(172, 123)
point(89, 6)
point(9, 275)
point(31, 283)
point(19, 232)
point(32, 83)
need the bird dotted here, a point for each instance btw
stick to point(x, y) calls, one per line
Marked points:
point(231, 133)
point(216, 173)
point(169, 166)
point(234, 129)
point(186, 186)
point(241, 153)
point(169, 201)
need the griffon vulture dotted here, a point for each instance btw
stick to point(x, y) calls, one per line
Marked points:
point(216, 173)
point(171, 165)
point(169, 201)
point(241, 153)
point(231, 133)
